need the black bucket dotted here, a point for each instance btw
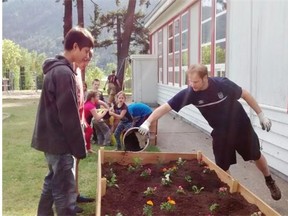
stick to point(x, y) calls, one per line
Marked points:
point(134, 141)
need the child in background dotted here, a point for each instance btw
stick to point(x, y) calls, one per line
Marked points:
point(95, 87)
point(102, 131)
point(120, 111)
point(139, 113)
point(102, 127)
point(89, 113)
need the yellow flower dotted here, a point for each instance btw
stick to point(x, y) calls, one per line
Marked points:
point(149, 202)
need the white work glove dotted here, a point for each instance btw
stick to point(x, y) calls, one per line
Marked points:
point(144, 128)
point(264, 122)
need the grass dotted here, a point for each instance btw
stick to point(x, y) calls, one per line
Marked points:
point(24, 168)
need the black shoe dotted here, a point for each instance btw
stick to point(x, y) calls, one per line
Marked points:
point(78, 209)
point(81, 199)
point(274, 190)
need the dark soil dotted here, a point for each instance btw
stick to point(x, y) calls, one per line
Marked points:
point(128, 198)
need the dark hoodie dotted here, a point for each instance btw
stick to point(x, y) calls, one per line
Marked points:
point(57, 127)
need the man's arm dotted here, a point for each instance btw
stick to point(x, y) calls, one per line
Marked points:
point(104, 104)
point(264, 121)
point(251, 101)
point(98, 116)
point(155, 115)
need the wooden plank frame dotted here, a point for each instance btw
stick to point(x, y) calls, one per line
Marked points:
point(125, 158)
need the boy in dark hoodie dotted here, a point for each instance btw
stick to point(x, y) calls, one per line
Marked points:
point(58, 131)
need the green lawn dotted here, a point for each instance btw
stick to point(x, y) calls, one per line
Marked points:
point(24, 168)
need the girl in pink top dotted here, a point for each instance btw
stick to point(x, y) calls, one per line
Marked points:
point(91, 112)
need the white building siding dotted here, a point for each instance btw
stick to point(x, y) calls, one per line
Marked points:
point(256, 60)
point(194, 33)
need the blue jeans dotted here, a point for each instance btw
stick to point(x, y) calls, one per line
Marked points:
point(58, 187)
point(120, 128)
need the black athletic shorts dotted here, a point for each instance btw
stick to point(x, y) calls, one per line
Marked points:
point(225, 145)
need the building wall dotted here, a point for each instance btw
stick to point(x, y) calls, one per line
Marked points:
point(256, 59)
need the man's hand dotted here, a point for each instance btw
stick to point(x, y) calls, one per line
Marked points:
point(144, 128)
point(264, 121)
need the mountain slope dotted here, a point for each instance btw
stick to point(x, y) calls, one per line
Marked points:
point(38, 24)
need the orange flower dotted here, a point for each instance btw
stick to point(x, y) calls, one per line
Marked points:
point(149, 202)
point(164, 169)
point(171, 201)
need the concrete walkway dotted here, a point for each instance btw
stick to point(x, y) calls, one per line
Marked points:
point(175, 135)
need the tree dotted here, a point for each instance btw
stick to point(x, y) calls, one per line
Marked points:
point(80, 13)
point(15, 58)
point(109, 67)
point(126, 28)
point(124, 42)
point(11, 55)
point(91, 73)
point(67, 16)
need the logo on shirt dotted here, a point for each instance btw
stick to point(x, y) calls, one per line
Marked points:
point(201, 102)
point(220, 95)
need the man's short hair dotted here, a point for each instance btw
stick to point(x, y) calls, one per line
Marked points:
point(200, 69)
point(78, 35)
point(95, 80)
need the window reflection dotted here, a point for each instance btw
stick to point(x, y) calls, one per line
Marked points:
point(220, 6)
point(213, 15)
point(221, 26)
point(206, 32)
point(206, 54)
point(206, 9)
point(160, 56)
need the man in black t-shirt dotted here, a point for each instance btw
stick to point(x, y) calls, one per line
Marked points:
point(217, 100)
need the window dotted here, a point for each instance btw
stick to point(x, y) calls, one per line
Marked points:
point(170, 53)
point(206, 20)
point(178, 43)
point(160, 56)
point(213, 39)
point(184, 47)
point(220, 38)
point(177, 51)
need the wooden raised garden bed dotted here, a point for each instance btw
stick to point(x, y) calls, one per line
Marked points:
point(146, 158)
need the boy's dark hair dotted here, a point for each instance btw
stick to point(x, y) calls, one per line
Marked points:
point(78, 35)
